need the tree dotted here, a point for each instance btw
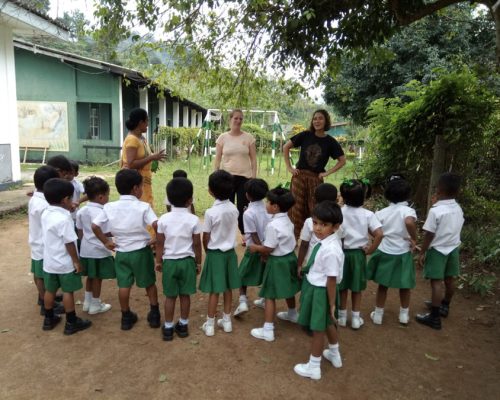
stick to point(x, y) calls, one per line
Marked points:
point(460, 35)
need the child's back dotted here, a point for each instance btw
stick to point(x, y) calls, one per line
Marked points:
point(357, 222)
point(90, 246)
point(445, 220)
point(36, 207)
point(255, 220)
point(221, 220)
point(396, 238)
point(178, 226)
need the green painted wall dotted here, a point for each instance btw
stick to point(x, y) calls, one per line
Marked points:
point(44, 78)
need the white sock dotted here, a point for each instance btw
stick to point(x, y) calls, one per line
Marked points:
point(243, 298)
point(269, 326)
point(292, 312)
point(334, 348)
point(314, 361)
point(379, 310)
point(169, 325)
point(404, 310)
point(210, 321)
point(355, 314)
point(95, 300)
point(184, 321)
point(342, 313)
point(226, 317)
point(88, 297)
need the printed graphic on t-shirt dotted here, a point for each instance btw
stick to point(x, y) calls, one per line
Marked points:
point(313, 154)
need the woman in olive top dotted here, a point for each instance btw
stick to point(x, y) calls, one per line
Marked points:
point(316, 148)
point(237, 155)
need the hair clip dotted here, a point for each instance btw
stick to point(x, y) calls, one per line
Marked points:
point(348, 182)
point(365, 181)
point(395, 177)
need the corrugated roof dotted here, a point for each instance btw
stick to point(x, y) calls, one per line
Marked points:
point(33, 10)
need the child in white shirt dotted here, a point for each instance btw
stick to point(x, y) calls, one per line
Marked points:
point(318, 301)
point(255, 220)
point(61, 265)
point(440, 249)
point(178, 255)
point(280, 280)
point(127, 220)
point(97, 261)
point(220, 270)
point(179, 173)
point(358, 224)
point(79, 195)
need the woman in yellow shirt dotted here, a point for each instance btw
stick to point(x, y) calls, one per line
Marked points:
point(136, 153)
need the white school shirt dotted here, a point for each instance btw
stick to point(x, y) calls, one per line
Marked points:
point(77, 193)
point(357, 221)
point(279, 235)
point(255, 220)
point(178, 226)
point(396, 238)
point(36, 207)
point(90, 246)
point(58, 230)
point(307, 235)
point(127, 219)
point(445, 220)
point(329, 261)
point(221, 221)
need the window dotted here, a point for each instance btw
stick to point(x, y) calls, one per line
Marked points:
point(94, 121)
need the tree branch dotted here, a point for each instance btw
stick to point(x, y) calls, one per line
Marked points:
point(405, 18)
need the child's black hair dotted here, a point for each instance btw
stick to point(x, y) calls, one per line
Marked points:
point(328, 211)
point(449, 184)
point(221, 184)
point(325, 191)
point(56, 189)
point(397, 190)
point(42, 175)
point(74, 166)
point(126, 179)
point(179, 173)
point(94, 186)
point(179, 191)
point(60, 163)
point(354, 192)
point(282, 197)
point(256, 189)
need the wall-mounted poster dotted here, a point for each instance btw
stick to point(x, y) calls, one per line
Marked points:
point(43, 124)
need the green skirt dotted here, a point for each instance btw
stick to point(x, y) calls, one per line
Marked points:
point(280, 279)
point(354, 275)
point(314, 307)
point(392, 270)
point(251, 269)
point(220, 272)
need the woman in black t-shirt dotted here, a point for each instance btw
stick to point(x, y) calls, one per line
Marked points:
point(316, 148)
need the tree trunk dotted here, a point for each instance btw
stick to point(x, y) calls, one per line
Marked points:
point(495, 10)
point(438, 166)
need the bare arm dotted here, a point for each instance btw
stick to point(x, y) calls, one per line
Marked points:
point(71, 248)
point(255, 238)
point(110, 245)
point(197, 251)
point(304, 246)
point(411, 227)
point(79, 233)
point(253, 159)
point(206, 239)
point(331, 290)
point(134, 163)
point(340, 163)
point(286, 156)
point(378, 235)
point(428, 237)
point(258, 248)
point(160, 243)
point(218, 156)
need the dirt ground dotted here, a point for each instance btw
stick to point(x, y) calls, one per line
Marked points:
point(380, 362)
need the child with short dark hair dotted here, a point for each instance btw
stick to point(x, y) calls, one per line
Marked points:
point(358, 224)
point(36, 207)
point(79, 195)
point(179, 173)
point(318, 300)
point(61, 265)
point(255, 220)
point(440, 250)
point(391, 265)
point(97, 261)
point(280, 279)
point(220, 270)
point(126, 219)
point(62, 165)
point(178, 255)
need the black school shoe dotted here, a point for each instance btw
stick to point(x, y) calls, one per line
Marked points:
point(444, 309)
point(168, 333)
point(181, 330)
point(154, 319)
point(429, 320)
point(78, 325)
point(128, 320)
point(50, 323)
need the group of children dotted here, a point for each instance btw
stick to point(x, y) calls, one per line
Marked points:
point(331, 261)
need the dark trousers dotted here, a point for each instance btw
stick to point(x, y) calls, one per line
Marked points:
point(240, 197)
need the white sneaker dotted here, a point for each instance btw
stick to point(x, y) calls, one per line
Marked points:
point(342, 321)
point(286, 317)
point(261, 333)
point(334, 358)
point(100, 307)
point(404, 318)
point(208, 329)
point(86, 306)
point(241, 309)
point(357, 322)
point(307, 371)
point(227, 326)
point(260, 302)
point(376, 317)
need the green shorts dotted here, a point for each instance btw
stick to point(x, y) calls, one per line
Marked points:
point(314, 307)
point(98, 268)
point(135, 265)
point(70, 282)
point(179, 277)
point(37, 268)
point(440, 266)
point(220, 272)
